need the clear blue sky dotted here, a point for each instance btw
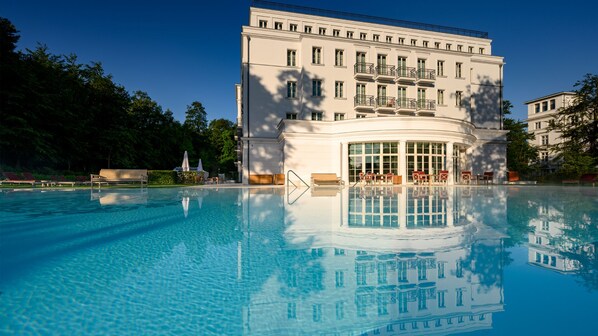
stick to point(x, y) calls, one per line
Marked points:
point(180, 51)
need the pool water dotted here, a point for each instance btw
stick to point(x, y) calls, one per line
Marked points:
point(267, 261)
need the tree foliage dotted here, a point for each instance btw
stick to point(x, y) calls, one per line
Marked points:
point(60, 115)
point(578, 125)
point(521, 155)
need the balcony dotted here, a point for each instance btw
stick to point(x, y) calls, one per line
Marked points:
point(406, 74)
point(406, 105)
point(364, 71)
point(426, 107)
point(426, 76)
point(363, 102)
point(385, 73)
point(385, 104)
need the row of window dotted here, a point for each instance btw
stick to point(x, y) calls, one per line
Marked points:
point(339, 92)
point(383, 300)
point(545, 106)
point(360, 57)
point(375, 37)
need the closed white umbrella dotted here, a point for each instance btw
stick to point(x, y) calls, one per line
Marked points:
point(185, 202)
point(199, 166)
point(185, 164)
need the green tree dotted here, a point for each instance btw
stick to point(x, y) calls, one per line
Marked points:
point(221, 136)
point(578, 126)
point(196, 118)
point(520, 153)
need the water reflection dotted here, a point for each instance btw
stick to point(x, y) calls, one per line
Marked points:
point(380, 260)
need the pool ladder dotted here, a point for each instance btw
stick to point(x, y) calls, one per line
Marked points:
point(289, 192)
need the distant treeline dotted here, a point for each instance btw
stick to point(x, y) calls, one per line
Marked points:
point(59, 115)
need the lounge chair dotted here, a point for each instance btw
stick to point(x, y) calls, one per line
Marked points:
point(513, 176)
point(326, 179)
point(61, 180)
point(13, 178)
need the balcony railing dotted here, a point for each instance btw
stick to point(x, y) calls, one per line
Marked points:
point(406, 104)
point(364, 69)
point(385, 103)
point(387, 72)
point(363, 101)
point(426, 105)
point(426, 75)
point(406, 73)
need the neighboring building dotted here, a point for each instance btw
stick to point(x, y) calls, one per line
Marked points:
point(327, 91)
point(540, 112)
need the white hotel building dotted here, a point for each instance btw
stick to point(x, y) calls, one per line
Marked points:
point(327, 91)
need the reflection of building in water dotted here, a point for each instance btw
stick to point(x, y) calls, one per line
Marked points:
point(407, 260)
point(548, 245)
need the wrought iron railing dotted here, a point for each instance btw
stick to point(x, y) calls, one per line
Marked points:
point(406, 72)
point(426, 104)
point(426, 74)
point(364, 68)
point(385, 70)
point(363, 100)
point(385, 101)
point(406, 103)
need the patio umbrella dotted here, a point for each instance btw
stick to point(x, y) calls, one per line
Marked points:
point(200, 169)
point(185, 164)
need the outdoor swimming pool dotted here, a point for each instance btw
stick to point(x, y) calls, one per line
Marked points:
point(256, 261)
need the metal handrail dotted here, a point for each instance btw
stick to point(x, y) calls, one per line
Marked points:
point(294, 185)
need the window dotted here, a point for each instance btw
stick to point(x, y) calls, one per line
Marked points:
point(317, 312)
point(545, 224)
point(336, 32)
point(340, 310)
point(263, 24)
point(437, 45)
point(292, 310)
point(316, 87)
point(481, 50)
point(339, 278)
point(278, 25)
point(470, 49)
point(458, 98)
point(413, 42)
point(350, 34)
point(291, 57)
point(322, 31)
point(552, 104)
point(441, 274)
point(448, 46)
point(292, 116)
point(459, 47)
point(401, 40)
point(440, 97)
point(537, 107)
point(307, 29)
point(339, 56)
point(425, 44)
point(360, 116)
point(459, 296)
point(363, 36)
point(316, 55)
point(544, 106)
point(316, 116)
point(544, 156)
point(291, 89)
point(376, 38)
point(388, 39)
point(339, 116)
point(545, 140)
point(459, 70)
point(293, 27)
point(440, 68)
point(539, 125)
point(338, 89)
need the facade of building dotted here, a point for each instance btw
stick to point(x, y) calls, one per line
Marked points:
point(540, 112)
point(327, 91)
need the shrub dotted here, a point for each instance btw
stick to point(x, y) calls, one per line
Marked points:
point(162, 177)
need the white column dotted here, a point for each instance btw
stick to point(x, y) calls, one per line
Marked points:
point(403, 160)
point(449, 162)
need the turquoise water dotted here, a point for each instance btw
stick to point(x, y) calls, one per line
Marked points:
point(382, 261)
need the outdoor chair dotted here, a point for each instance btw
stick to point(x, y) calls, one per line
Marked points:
point(13, 178)
point(466, 177)
point(488, 177)
point(443, 176)
point(420, 177)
